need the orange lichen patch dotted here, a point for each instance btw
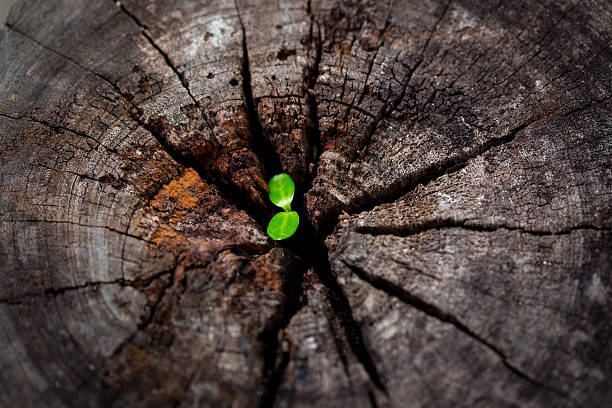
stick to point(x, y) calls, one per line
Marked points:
point(189, 217)
point(186, 192)
point(167, 236)
point(176, 204)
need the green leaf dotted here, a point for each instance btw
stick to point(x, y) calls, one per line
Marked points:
point(283, 225)
point(281, 190)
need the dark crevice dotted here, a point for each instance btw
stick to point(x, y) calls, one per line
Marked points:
point(138, 283)
point(372, 399)
point(261, 146)
point(314, 130)
point(225, 191)
point(433, 311)
point(414, 229)
point(275, 344)
point(431, 173)
point(309, 245)
point(311, 248)
point(343, 311)
point(153, 309)
point(274, 376)
point(276, 353)
point(165, 56)
point(67, 58)
point(339, 341)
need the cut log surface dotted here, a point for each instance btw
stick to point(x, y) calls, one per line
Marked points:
point(453, 170)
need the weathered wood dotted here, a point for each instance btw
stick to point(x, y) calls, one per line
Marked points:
point(452, 162)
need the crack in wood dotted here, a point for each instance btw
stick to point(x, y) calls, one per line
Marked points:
point(343, 311)
point(433, 311)
point(59, 54)
point(138, 283)
point(164, 54)
point(126, 233)
point(409, 230)
point(261, 146)
point(276, 357)
point(314, 131)
point(437, 170)
point(446, 167)
point(60, 129)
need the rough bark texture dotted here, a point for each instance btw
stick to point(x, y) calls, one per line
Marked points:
point(452, 162)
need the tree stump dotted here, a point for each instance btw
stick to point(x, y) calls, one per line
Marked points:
point(452, 162)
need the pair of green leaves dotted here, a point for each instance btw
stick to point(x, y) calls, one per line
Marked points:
point(284, 224)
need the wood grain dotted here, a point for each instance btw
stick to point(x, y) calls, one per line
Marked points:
point(452, 168)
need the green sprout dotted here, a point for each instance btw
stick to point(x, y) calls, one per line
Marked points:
point(284, 224)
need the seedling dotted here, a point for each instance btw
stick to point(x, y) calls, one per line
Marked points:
point(284, 224)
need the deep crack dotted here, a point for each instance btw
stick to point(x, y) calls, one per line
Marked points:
point(138, 283)
point(342, 308)
point(436, 170)
point(314, 129)
point(165, 56)
point(432, 310)
point(261, 146)
point(409, 230)
point(273, 337)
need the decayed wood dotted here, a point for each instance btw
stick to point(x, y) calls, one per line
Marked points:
point(453, 179)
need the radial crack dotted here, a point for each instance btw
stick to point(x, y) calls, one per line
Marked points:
point(453, 164)
point(314, 131)
point(261, 145)
point(67, 58)
point(165, 56)
point(436, 170)
point(60, 129)
point(433, 311)
point(414, 229)
point(138, 283)
point(343, 311)
point(274, 340)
